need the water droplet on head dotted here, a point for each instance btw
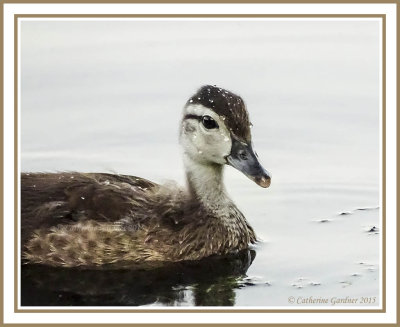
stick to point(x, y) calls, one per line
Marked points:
point(211, 100)
point(200, 152)
point(82, 197)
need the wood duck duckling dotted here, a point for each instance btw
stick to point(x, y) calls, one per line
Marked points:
point(81, 219)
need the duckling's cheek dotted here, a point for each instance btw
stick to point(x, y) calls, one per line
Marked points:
point(188, 127)
point(191, 141)
point(189, 134)
point(217, 148)
point(210, 140)
point(224, 142)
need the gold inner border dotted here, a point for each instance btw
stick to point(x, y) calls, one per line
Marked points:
point(16, 262)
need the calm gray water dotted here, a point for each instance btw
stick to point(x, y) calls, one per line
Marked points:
point(107, 96)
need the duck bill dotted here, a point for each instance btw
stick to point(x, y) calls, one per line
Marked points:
point(244, 159)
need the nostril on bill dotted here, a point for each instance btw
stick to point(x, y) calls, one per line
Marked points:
point(243, 155)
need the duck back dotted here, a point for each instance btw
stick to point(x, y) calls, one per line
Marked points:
point(74, 219)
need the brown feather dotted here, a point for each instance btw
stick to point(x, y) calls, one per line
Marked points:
point(72, 219)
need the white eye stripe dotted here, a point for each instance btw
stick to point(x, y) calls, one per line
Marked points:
point(200, 110)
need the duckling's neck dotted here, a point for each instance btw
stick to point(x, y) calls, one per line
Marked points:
point(205, 182)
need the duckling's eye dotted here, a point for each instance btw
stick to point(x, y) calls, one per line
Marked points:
point(209, 123)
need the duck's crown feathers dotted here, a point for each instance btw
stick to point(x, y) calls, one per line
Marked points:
point(227, 105)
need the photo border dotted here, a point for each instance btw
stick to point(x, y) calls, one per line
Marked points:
point(233, 310)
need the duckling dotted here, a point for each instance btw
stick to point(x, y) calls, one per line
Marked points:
point(88, 219)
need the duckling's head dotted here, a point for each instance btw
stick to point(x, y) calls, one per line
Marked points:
point(215, 130)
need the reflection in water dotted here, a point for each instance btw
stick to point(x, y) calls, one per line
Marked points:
point(212, 282)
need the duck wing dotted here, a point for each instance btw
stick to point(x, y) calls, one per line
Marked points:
point(50, 199)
